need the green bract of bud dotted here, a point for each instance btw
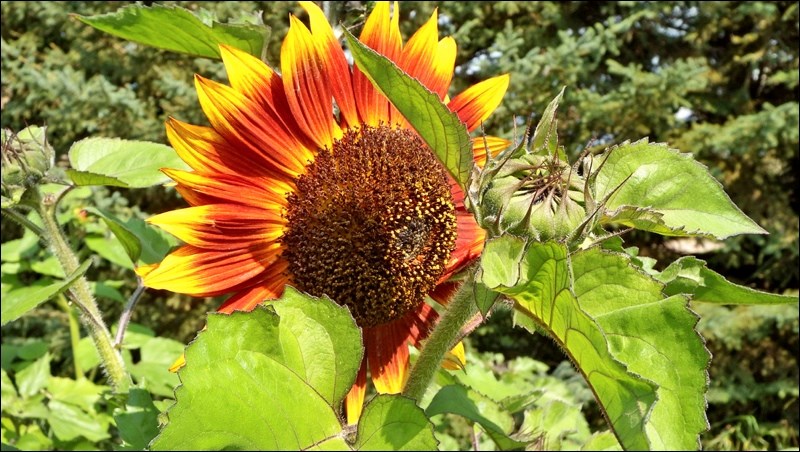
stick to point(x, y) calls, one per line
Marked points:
point(534, 196)
point(27, 157)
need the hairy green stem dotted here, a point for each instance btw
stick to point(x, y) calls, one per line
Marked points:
point(82, 296)
point(444, 336)
point(74, 333)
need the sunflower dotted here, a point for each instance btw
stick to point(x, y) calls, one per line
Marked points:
point(312, 178)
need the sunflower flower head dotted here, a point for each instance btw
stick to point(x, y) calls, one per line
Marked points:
point(312, 178)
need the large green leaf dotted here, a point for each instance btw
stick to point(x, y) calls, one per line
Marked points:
point(654, 337)
point(178, 30)
point(689, 275)
point(17, 302)
point(270, 379)
point(123, 163)
point(665, 181)
point(439, 127)
point(542, 293)
point(393, 422)
point(460, 400)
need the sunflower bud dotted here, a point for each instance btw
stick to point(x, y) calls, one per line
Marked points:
point(27, 157)
point(532, 195)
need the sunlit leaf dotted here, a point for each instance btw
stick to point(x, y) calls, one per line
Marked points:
point(484, 298)
point(81, 393)
point(19, 301)
point(689, 275)
point(110, 249)
point(542, 292)
point(128, 240)
point(394, 422)
point(137, 421)
point(70, 422)
point(124, 163)
point(34, 377)
point(280, 372)
point(558, 425)
point(178, 30)
point(665, 181)
point(439, 127)
point(457, 399)
point(654, 337)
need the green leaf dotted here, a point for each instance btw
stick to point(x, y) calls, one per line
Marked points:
point(394, 422)
point(501, 266)
point(50, 266)
point(128, 240)
point(17, 302)
point(689, 275)
point(281, 371)
point(654, 337)
point(124, 163)
point(601, 441)
point(557, 425)
point(7, 391)
point(15, 250)
point(457, 399)
point(88, 178)
point(178, 30)
point(484, 298)
point(86, 354)
point(155, 242)
point(312, 343)
point(653, 176)
point(138, 421)
point(80, 393)
point(34, 377)
point(105, 290)
point(439, 127)
point(542, 293)
point(69, 422)
point(109, 249)
point(152, 370)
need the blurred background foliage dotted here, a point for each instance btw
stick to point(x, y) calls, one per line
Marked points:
point(717, 79)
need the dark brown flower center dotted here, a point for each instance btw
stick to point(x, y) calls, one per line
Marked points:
point(371, 224)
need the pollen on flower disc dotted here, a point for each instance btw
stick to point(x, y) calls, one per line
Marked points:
point(371, 224)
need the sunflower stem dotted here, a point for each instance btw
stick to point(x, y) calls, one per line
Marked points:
point(443, 338)
point(81, 294)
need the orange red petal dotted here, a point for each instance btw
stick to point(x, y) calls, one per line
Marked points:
point(387, 354)
point(269, 286)
point(476, 103)
point(482, 145)
point(335, 68)
point(307, 90)
point(200, 189)
point(202, 273)
point(420, 58)
point(251, 128)
point(382, 34)
point(224, 227)
point(354, 402)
